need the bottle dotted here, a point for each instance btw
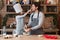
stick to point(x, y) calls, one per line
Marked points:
point(8, 2)
point(4, 30)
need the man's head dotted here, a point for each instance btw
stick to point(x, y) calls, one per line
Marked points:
point(35, 6)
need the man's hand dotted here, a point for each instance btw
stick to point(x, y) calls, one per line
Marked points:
point(27, 30)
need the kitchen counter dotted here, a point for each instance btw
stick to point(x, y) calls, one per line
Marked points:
point(30, 37)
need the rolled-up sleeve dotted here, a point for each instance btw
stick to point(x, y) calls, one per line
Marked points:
point(41, 19)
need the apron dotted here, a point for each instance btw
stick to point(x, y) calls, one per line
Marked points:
point(34, 22)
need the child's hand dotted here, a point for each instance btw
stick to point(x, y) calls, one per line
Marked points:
point(21, 12)
point(29, 11)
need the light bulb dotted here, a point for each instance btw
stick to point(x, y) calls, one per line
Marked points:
point(11, 0)
point(24, 0)
point(36, 0)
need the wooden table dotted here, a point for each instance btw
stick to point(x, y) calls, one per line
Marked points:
point(31, 37)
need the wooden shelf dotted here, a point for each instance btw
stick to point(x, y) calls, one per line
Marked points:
point(50, 30)
point(51, 5)
point(12, 13)
point(8, 30)
point(44, 9)
point(43, 12)
point(44, 5)
point(9, 5)
point(30, 5)
point(51, 12)
point(21, 5)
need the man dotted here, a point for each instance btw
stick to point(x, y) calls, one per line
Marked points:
point(35, 21)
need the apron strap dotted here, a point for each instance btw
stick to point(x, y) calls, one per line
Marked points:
point(33, 15)
point(38, 15)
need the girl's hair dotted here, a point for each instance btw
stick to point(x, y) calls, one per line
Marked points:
point(37, 4)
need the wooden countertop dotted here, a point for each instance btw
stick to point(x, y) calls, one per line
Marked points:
point(31, 37)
